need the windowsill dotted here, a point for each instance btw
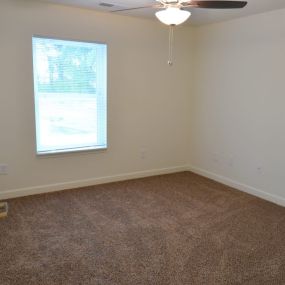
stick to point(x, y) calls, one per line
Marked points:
point(70, 151)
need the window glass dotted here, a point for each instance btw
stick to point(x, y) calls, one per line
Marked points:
point(70, 95)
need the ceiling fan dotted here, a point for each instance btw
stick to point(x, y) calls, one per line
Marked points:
point(174, 12)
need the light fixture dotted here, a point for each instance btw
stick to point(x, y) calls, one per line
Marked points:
point(172, 16)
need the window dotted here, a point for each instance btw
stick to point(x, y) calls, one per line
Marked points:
point(70, 95)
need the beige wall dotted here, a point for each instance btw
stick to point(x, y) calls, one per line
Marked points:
point(238, 105)
point(219, 109)
point(147, 108)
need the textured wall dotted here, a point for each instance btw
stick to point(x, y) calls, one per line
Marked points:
point(237, 118)
point(148, 101)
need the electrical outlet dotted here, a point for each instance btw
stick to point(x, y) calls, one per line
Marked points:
point(231, 161)
point(143, 153)
point(259, 170)
point(216, 158)
point(3, 169)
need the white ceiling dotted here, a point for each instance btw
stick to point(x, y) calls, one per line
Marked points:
point(199, 16)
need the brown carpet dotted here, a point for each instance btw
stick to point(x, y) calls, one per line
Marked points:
point(170, 229)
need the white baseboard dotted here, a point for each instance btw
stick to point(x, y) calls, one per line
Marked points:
point(20, 192)
point(239, 186)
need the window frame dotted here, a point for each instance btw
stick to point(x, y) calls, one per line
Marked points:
point(73, 150)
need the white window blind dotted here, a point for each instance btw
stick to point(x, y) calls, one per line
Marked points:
point(70, 83)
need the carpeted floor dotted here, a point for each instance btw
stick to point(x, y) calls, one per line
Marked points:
point(170, 229)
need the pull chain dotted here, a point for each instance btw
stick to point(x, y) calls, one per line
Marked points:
point(170, 45)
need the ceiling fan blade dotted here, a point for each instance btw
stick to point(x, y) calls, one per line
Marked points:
point(215, 4)
point(136, 8)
